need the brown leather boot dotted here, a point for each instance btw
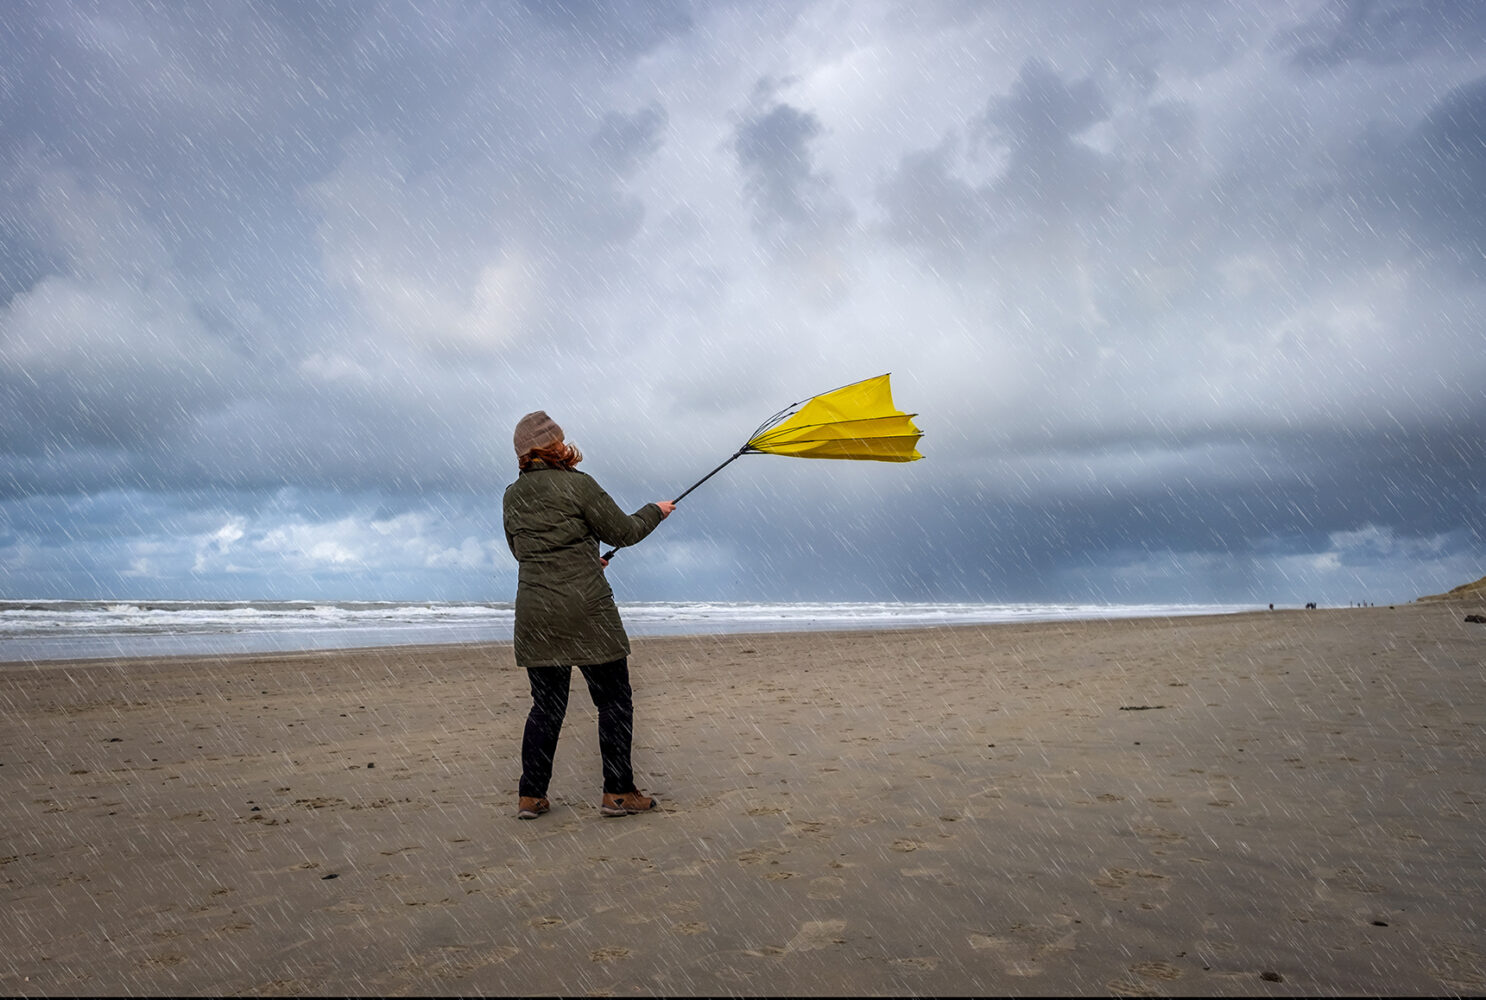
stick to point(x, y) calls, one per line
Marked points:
point(625, 803)
point(531, 808)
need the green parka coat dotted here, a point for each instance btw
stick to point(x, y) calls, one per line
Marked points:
point(565, 614)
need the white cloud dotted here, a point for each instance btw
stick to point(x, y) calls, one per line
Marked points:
point(303, 546)
point(1378, 564)
point(213, 549)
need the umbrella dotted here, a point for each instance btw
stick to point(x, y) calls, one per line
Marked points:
point(856, 422)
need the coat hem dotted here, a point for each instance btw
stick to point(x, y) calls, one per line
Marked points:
point(585, 662)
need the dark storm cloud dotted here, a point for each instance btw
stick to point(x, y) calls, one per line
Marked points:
point(781, 182)
point(1043, 112)
point(928, 207)
point(1436, 171)
point(1188, 294)
point(625, 141)
point(1049, 170)
point(1380, 418)
point(1384, 32)
point(1049, 175)
point(1309, 507)
point(609, 29)
point(177, 307)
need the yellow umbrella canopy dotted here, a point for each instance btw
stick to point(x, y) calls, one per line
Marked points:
point(855, 422)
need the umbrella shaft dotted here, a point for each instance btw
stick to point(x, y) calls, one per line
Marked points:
point(737, 454)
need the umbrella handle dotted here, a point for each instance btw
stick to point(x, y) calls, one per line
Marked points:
point(736, 455)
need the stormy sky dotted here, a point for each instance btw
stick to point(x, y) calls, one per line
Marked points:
point(1189, 297)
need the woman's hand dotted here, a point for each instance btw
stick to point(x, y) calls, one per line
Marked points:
point(665, 508)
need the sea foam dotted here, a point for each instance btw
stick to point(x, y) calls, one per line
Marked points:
point(55, 630)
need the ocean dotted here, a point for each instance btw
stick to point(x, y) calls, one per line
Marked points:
point(35, 631)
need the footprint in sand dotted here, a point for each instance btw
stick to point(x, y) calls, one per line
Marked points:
point(815, 934)
point(917, 963)
point(1158, 833)
point(1021, 949)
point(811, 936)
point(453, 962)
point(758, 855)
point(1156, 970)
point(160, 961)
point(1128, 885)
point(811, 828)
point(827, 887)
point(1350, 878)
point(984, 942)
point(1458, 968)
point(1130, 987)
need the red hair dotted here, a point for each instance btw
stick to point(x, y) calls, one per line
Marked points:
point(559, 455)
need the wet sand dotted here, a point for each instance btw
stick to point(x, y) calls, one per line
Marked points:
point(1275, 803)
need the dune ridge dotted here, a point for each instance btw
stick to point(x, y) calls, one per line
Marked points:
point(1464, 592)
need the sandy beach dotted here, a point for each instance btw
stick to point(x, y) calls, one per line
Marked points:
point(1277, 803)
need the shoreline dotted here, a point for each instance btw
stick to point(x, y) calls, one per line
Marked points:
point(267, 641)
point(1125, 805)
point(473, 645)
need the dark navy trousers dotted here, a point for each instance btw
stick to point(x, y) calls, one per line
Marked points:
point(608, 685)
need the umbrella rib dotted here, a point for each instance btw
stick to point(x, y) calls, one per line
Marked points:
point(777, 418)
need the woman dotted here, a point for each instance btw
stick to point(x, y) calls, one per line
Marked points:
point(555, 519)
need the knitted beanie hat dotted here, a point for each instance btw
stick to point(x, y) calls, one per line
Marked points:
point(534, 431)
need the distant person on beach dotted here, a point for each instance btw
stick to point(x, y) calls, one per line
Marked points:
point(555, 518)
